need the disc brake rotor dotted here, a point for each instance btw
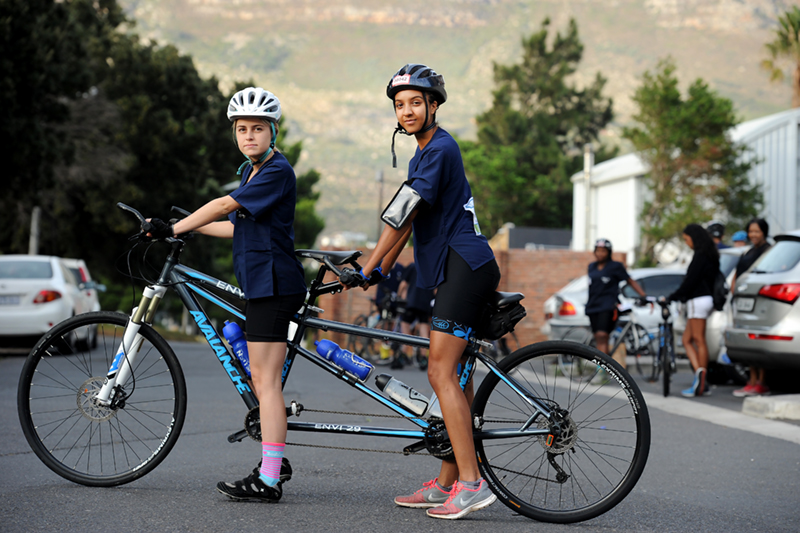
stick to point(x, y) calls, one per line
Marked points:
point(87, 393)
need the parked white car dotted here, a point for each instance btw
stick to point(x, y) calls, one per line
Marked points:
point(36, 293)
point(565, 309)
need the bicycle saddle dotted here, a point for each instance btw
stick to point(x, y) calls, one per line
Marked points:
point(502, 299)
point(337, 258)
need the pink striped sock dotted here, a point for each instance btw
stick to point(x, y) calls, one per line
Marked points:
point(271, 456)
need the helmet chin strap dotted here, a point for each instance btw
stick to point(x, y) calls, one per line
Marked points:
point(263, 156)
point(401, 129)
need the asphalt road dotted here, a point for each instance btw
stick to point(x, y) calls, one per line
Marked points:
point(708, 470)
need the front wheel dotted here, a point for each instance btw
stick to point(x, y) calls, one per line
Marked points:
point(83, 441)
point(576, 368)
point(667, 356)
point(600, 452)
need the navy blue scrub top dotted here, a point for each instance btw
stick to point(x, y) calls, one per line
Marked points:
point(448, 219)
point(263, 233)
point(604, 286)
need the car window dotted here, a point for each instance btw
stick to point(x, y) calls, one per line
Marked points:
point(727, 262)
point(68, 276)
point(783, 256)
point(77, 274)
point(25, 270)
point(576, 285)
point(661, 285)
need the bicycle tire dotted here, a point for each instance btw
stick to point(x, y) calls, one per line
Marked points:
point(666, 366)
point(604, 455)
point(577, 369)
point(638, 343)
point(91, 445)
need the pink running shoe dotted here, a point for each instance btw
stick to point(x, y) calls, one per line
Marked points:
point(747, 390)
point(430, 495)
point(463, 501)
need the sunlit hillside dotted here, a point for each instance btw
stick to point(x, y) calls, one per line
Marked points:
point(329, 62)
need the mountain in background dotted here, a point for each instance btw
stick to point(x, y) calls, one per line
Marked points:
point(329, 62)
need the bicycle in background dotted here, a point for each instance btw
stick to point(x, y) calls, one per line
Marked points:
point(638, 343)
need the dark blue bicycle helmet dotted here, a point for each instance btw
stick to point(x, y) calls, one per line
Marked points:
point(421, 78)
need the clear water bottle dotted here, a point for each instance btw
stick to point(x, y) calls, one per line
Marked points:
point(344, 359)
point(402, 394)
point(235, 337)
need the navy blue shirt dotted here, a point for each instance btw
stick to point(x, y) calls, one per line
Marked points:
point(448, 217)
point(604, 286)
point(263, 233)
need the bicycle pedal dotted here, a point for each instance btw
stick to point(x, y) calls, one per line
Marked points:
point(239, 436)
point(414, 448)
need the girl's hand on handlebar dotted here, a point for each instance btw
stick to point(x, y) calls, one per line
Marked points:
point(158, 229)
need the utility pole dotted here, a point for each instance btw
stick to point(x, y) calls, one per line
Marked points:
point(33, 242)
point(379, 179)
point(588, 163)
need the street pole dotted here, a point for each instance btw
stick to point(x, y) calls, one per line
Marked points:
point(379, 179)
point(588, 163)
point(33, 242)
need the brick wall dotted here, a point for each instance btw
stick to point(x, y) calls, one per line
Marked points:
point(538, 274)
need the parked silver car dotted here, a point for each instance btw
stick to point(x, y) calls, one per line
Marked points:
point(766, 316)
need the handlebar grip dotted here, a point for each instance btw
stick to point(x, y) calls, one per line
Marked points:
point(147, 227)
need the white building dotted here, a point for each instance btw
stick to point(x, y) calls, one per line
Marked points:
point(617, 189)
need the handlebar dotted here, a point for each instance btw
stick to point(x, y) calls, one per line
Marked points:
point(147, 227)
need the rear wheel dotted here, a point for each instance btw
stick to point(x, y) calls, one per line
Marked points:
point(599, 454)
point(639, 344)
point(89, 443)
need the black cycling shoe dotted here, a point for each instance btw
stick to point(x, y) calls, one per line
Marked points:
point(251, 489)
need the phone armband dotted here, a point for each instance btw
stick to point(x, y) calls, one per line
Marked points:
point(405, 200)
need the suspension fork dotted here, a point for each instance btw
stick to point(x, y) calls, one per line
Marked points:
point(128, 349)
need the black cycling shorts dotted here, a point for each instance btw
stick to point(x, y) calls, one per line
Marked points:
point(461, 297)
point(411, 314)
point(604, 321)
point(267, 319)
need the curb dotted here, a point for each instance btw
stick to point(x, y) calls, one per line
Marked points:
point(783, 406)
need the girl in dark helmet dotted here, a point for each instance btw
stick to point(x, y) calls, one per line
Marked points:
point(605, 275)
point(451, 256)
point(259, 217)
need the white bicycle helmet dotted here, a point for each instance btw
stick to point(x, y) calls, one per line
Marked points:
point(254, 102)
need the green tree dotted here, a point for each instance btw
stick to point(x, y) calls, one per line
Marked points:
point(696, 172)
point(785, 45)
point(530, 140)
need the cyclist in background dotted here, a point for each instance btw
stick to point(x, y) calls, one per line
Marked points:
point(418, 308)
point(717, 232)
point(260, 221)
point(605, 275)
point(451, 256)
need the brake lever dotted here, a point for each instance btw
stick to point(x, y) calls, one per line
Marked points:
point(180, 211)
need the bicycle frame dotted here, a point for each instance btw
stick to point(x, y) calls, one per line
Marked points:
point(190, 283)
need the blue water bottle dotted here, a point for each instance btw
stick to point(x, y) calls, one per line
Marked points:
point(235, 337)
point(344, 359)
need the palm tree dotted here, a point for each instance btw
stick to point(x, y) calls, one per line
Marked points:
point(786, 45)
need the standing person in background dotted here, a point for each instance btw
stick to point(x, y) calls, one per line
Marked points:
point(739, 239)
point(605, 275)
point(418, 308)
point(717, 232)
point(757, 232)
point(696, 291)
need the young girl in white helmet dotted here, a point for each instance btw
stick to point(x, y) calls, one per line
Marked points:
point(451, 256)
point(260, 218)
